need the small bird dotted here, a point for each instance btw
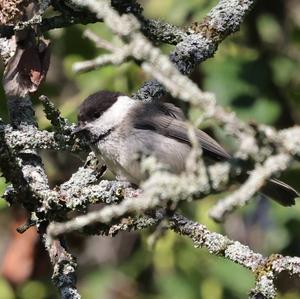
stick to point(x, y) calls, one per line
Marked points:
point(120, 129)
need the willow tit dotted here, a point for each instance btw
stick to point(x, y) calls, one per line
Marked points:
point(119, 129)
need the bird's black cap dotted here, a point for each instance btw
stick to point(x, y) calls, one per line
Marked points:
point(96, 104)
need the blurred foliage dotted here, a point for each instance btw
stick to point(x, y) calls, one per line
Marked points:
point(6, 291)
point(3, 185)
point(256, 73)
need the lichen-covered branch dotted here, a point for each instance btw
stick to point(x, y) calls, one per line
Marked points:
point(161, 188)
point(23, 166)
point(255, 181)
point(62, 127)
point(265, 269)
point(64, 266)
point(156, 30)
point(30, 138)
point(224, 19)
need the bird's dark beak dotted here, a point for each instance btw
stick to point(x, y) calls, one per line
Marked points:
point(79, 128)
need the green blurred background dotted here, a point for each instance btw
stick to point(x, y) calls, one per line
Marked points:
point(256, 73)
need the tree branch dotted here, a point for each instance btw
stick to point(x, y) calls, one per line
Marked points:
point(223, 20)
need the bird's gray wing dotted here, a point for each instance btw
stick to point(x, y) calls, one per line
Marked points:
point(168, 120)
point(171, 110)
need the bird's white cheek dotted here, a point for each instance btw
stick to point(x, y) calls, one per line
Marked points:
point(115, 115)
point(97, 129)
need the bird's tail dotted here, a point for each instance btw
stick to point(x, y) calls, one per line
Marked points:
point(280, 192)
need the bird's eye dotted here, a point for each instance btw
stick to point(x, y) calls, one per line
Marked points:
point(96, 114)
